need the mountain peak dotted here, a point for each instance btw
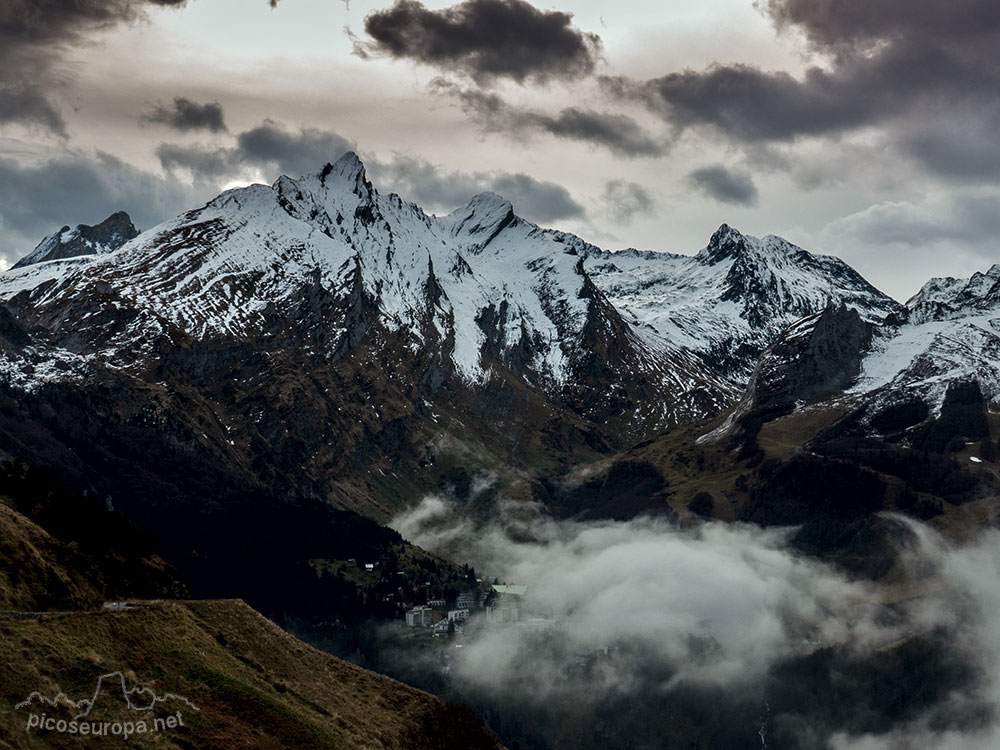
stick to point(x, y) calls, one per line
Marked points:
point(490, 202)
point(944, 298)
point(482, 219)
point(347, 171)
point(102, 238)
point(349, 165)
point(340, 184)
point(725, 243)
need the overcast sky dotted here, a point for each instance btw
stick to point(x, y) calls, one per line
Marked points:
point(859, 128)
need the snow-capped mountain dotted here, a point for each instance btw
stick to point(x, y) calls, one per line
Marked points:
point(730, 301)
point(950, 333)
point(84, 240)
point(488, 293)
point(316, 337)
point(638, 338)
point(480, 291)
point(932, 368)
point(943, 298)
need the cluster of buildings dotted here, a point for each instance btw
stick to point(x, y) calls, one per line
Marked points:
point(504, 608)
point(426, 616)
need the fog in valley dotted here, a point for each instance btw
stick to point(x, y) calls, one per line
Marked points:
point(646, 634)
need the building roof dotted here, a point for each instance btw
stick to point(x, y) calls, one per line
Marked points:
point(515, 589)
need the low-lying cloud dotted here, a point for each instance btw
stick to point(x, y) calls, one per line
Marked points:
point(648, 583)
point(633, 631)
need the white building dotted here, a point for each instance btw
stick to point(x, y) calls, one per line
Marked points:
point(420, 616)
point(506, 604)
point(502, 613)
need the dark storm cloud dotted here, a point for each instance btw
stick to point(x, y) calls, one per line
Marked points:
point(900, 65)
point(753, 105)
point(750, 104)
point(26, 22)
point(724, 185)
point(962, 147)
point(268, 147)
point(485, 39)
point(834, 23)
point(626, 200)
point(33, 34)
point(537, 200)
point(619, 133)
point(186, 115)
point(80, 188)
point(295, 153)
point(29, 105)
point(438, 190)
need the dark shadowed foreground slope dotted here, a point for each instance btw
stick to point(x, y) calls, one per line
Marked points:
point(236, 678)
point(244, 681)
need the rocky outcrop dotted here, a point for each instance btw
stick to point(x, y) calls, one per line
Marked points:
point(815, 358)
point(102, 238)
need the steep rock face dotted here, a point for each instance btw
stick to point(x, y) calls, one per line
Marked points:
point(815, 358)
point(729, 302)
point(12, 334)
point(893, 380)
point(102, 238)
point(909, 400)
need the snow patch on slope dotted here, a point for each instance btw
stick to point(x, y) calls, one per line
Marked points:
point(730, 301)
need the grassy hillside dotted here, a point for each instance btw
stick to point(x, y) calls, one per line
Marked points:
point(61, 551)
point(38, 572)
point(254, 685)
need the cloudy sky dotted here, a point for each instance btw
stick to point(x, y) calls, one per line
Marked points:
point(860, 128)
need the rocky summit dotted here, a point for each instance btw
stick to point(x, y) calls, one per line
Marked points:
point(102, 238)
